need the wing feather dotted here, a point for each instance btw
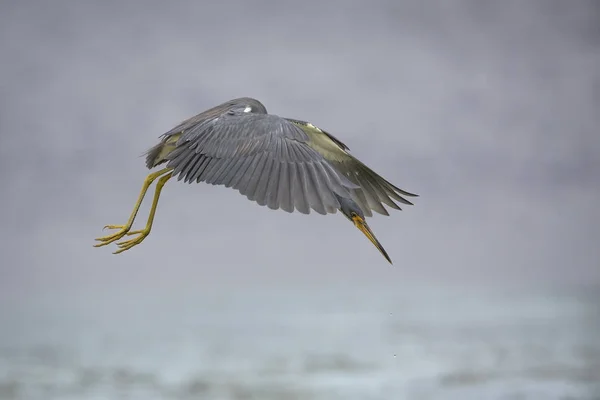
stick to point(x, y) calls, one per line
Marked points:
point(371, 191)
point(314, 189)
point(215, 164)
point(194, 168)
point(273, 185)
point(221, 165)
point(256, 176)
point(233, 170)
point(217, 179)
point(209, 167)
point(246, 176)
point(284, 194)
point(320, 175)
point(186, 162)
point(236, 182)
point(297, 189)
point(264, 157)
point(202, 167)
point(371, 195)
point(261, 188)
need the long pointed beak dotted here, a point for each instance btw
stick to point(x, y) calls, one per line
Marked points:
point(361, 224)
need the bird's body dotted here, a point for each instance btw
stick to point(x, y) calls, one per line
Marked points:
point(278, 162)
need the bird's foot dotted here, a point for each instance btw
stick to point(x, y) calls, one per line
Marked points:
point(128, 244)
point(104, 240)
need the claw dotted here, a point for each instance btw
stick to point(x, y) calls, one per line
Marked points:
point(113, 227)
point(104, 240)
point(128, 244)
point(123, 230)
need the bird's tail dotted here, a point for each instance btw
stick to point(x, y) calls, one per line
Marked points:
point(156, 155)
point(152, 155)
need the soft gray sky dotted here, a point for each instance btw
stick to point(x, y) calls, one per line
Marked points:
point(488, 109)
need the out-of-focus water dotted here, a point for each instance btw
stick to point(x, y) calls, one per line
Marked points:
point(302, 344)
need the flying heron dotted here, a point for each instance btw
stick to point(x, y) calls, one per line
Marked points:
point(282, 163)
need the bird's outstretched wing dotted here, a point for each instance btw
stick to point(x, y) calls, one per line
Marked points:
point(265, 157)
point(373, 190)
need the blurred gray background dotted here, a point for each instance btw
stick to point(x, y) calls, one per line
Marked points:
point(487, 109)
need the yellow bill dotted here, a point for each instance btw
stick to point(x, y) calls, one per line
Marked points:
point(361, 224)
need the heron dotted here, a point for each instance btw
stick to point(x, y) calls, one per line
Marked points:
point(282, 163)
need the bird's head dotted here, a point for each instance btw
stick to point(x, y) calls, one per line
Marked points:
point(245, 105)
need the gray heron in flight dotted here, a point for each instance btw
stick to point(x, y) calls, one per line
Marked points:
point(282, 163)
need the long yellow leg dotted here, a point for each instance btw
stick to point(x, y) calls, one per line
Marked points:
point(143, 233)
point(123, 229)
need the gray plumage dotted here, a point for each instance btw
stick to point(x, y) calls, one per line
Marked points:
point(277, 162)
point(281, 163)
